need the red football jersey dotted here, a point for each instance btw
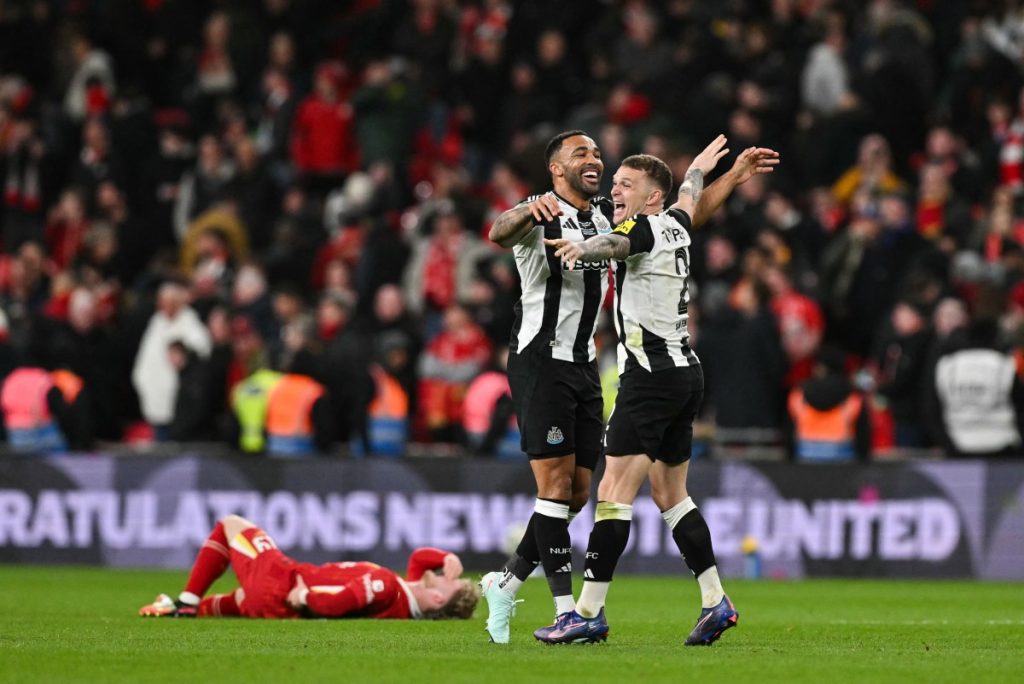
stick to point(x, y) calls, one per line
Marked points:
point(364, 589)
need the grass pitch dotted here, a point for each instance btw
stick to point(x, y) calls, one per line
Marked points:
point(80, 624)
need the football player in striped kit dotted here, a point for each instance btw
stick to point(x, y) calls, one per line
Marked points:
point(552, 367)
point(661, 385)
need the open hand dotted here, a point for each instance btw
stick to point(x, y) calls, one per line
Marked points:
point(567, 250)
point(708, 158)
point(752, 161)
point(545, 207)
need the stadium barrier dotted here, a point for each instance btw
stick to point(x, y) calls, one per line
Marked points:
point(903, 519)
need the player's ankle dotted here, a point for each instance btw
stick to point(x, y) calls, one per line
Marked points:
point(187, 598)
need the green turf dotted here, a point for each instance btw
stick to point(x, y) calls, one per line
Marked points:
point(78, 624)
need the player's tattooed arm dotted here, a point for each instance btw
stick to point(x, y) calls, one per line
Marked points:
point(693, 183)
point(597, 248)
point(513, 225)
point(692, 188)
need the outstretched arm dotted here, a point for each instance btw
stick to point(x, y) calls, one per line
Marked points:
point(513, 225)
point(595, 249)
point(693, 184)
point(752, 161)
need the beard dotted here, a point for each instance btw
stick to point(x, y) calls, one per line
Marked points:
point(577, 183)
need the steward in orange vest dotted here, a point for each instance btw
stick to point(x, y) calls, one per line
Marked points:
point(831, 419)
point(298, 418)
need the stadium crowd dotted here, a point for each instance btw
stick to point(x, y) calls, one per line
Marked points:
point(265, 221)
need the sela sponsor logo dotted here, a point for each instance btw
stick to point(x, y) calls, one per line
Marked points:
point(587, 265)
point(555, 435)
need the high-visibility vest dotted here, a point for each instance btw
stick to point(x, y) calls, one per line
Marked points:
point(289, 428)
point(828, 435)
point(30, 424)
point(388, 415)
point(249, 400)
point(69, 384)
point(480, 402)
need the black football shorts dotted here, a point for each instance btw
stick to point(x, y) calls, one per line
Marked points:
point(558, 404)
point(654, 414)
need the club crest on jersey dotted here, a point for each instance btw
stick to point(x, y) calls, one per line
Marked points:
point(555, 435)
point(625, 227)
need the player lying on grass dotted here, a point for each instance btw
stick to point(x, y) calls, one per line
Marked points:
point(276, 586)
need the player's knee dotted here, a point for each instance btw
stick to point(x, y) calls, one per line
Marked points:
point(556, 486)
point(233, 524)
point(666, 497)
point(579, 500)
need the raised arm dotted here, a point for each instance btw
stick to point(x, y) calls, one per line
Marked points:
point(513, 225)
point(693, 183)
point(752, 161)
point(597, 248)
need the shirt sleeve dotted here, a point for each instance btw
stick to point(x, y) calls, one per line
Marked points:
point(336, 600)
point(423, 559)
point(368, 594)
point(638, 230)
point(681, 217)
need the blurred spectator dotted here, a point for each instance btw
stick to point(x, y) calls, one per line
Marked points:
point(396, 337)
point(801, 324)
point(901, 357)
point(274, 124)
point(450, 361)
point(194, 418)
point(254, 192)
point(323, 145)
point(346, 364)
point(91, 351)
point(825, 81)
point(203, 186)
point(248, 351)
point(490, 418)
point(831, 419)
point(66, 227)
point(154, 378)
point(388, 413)
point(92, 79)
point(745, 367)
point(164, 172)
point(38, 415)
point(299, 417)
point(97, 161)
point(249, 400)
point(977, 404)
point(443, 264)
point(872, 173)
point(251, 299)
point(940, 213)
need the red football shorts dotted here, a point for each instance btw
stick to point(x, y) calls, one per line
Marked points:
point(266, 574)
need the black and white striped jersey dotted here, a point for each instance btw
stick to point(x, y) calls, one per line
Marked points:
point(559, 307)
point(652, 293)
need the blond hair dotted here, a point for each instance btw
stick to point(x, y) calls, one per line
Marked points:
point(461, 605)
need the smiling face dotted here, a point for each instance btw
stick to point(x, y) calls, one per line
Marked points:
point(632, 192)
point(577, 167)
